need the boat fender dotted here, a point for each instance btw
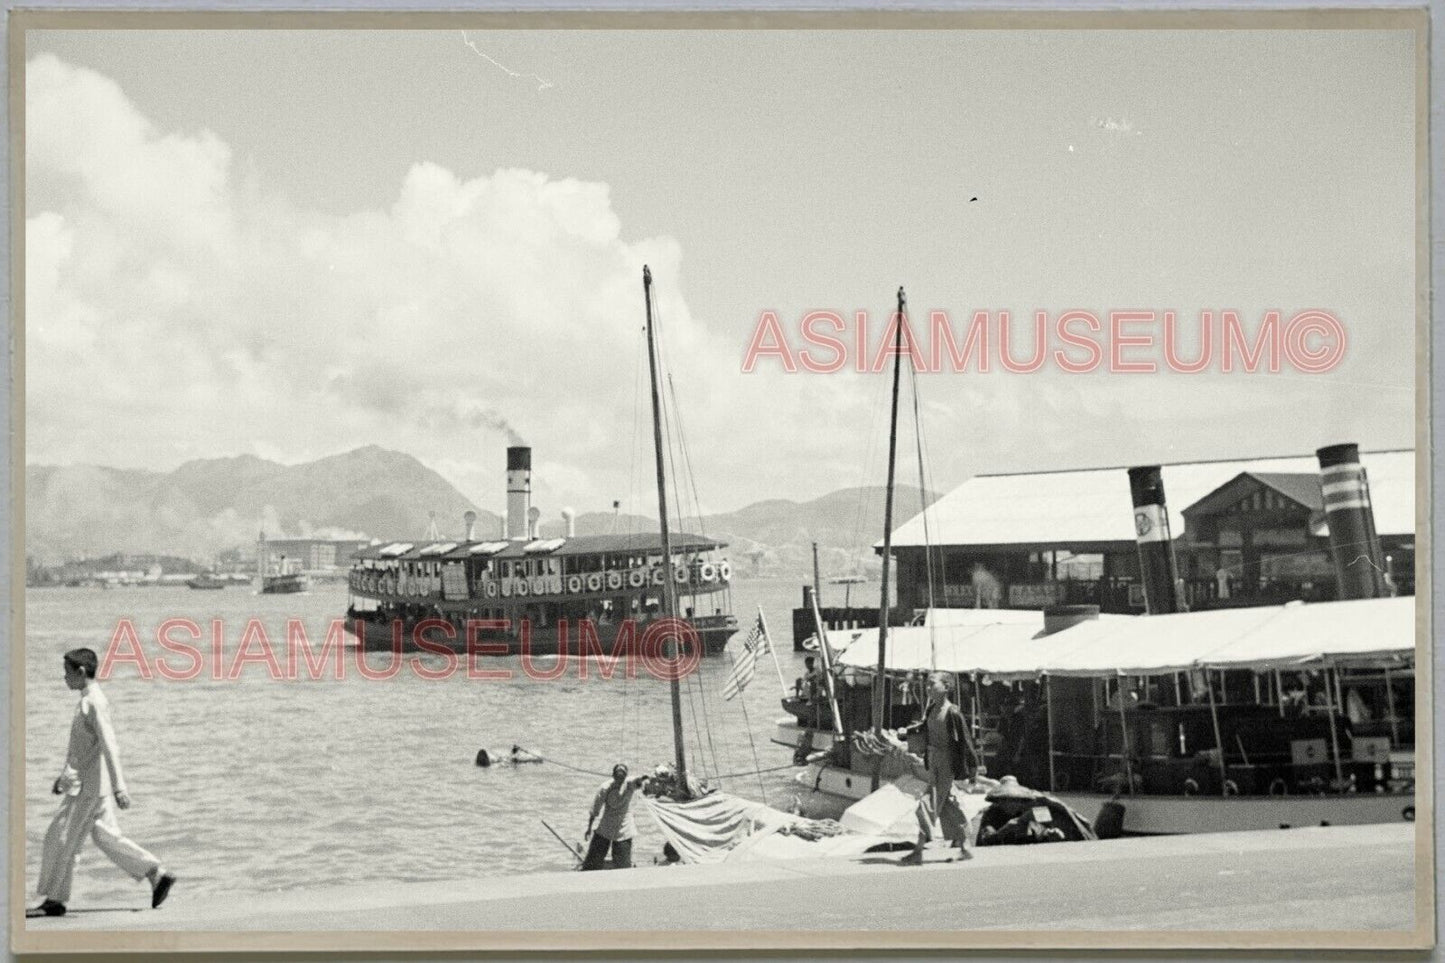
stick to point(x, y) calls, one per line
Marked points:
point(594, 582)
point(484, 760)
point(636, 578)
point(1231, 788)
point(707, 571)
point(725, 571)
point(1191, 788)
point(1278, 787)
point(614, 580)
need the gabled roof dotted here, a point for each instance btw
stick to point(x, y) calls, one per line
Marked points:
point(1092, 507)
point(1301, 489)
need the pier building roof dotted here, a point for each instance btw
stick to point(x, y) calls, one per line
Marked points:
point(1091, 510)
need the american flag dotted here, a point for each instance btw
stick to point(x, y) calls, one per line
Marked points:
point(744, 665)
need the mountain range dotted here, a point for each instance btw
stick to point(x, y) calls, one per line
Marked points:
point(208, 506)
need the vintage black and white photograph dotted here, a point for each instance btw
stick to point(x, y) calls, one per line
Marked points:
point(517, 481)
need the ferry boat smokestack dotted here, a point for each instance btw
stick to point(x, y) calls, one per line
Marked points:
point(1354, 543)
point(519, 490)
point(1158, 569)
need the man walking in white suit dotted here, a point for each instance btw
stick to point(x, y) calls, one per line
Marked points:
point(94, 789)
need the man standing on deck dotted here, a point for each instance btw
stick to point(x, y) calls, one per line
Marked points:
point(615, 831)
point(94, 789)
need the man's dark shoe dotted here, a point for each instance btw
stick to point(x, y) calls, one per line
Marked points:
point(48, 908)
point(162, 890)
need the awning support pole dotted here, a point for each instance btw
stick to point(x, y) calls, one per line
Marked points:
point(1390, 711)
point(1049, 707)
point(1218, 739)
point(1334, 735)
point(1279, 692)
point(1124, 740)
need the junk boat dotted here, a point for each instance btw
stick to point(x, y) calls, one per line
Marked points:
point(602, 590)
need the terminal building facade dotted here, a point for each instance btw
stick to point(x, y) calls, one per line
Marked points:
point(1243, 533)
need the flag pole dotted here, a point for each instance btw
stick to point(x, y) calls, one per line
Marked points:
point(772, 650)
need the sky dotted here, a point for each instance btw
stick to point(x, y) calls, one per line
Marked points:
point(296, 243)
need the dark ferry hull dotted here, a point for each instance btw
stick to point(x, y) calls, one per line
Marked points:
point(713, 633)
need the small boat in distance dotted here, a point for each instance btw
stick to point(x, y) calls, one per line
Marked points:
point(278, 579)
point(207, 580)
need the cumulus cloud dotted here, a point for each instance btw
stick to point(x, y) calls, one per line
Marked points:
point(174, 312)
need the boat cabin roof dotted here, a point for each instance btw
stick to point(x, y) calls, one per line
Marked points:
point(638, 543)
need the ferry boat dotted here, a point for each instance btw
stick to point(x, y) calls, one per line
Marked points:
point(207, 580)
point(602, 590)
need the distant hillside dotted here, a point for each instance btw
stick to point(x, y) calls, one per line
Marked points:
point(213, 504)
point(207, 506)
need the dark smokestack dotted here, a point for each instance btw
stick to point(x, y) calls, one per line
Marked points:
point(519, 490)
point(1354, 545)
point(1158, 570)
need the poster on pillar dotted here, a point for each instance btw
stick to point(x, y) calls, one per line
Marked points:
point(441, 430)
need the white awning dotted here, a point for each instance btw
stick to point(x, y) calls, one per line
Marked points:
point(1356, 632)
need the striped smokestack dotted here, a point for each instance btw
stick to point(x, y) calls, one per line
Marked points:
point(519, 490)
point(1354, 545)
point(1158, 571)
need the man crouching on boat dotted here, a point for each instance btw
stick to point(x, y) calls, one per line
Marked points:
point(615, 831)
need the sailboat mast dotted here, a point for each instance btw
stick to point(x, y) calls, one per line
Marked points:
point(878, 680)
point(669, 596)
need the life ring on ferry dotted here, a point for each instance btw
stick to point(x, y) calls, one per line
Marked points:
point(521, 587)
point(679, 574)
point(614, 580)
point(574, 583)
point(725, 571)
point(707, 572)
point(659, 576)
point(1231, 788)
point(539, 585)
point(1278, 787)
point(594, 582)
point(1191, 788)
point(491, 589)
point(636, 578)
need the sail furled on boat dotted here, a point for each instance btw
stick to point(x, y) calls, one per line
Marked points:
point(722, 827)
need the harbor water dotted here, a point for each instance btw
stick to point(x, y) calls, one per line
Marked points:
point(263, 785)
